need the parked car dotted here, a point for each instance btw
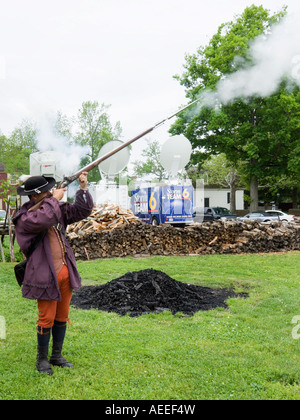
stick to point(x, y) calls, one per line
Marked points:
point(2, 216)
point(282, 216)
point(260, 217)
point(209, 214)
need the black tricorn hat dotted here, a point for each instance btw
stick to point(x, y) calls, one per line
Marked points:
point(36, 185)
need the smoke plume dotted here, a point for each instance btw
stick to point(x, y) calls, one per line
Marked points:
point(49, 140)
point(274, 56)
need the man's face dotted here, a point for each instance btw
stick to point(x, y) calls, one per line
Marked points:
point(38, 197)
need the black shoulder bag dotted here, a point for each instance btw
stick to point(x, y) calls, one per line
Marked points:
point(21, 267)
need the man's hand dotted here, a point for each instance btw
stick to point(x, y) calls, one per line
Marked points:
point(58, 194)
point(83, 180)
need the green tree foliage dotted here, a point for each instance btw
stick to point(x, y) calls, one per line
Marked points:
point(16, 149)
point(260, 132)
point(151, 165)
point(91, 127)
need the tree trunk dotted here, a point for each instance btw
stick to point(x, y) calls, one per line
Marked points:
point(11, 241)
point(1, 250)
point(10, 233)
point(231, 179)
point(295, 198)
point(253, 193)
point(233, 197)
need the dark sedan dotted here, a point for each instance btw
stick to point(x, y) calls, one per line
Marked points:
point(209, 214)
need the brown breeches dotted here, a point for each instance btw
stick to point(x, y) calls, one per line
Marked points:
point(50, 311)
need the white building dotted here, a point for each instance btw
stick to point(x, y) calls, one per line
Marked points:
point(211, 196)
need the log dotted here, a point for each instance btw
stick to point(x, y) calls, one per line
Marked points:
point(121, 236)
point(103, 218)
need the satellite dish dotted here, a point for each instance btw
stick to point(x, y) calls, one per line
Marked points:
point(175, 154)
point(117, 162)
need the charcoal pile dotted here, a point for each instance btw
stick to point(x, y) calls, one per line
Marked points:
point(150, 291)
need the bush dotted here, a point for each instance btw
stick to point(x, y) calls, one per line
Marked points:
point(17, 251)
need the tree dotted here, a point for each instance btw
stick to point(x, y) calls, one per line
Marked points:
point(16, 149)
point(260, 132)
point(280, 189)
point(217, 170)
point(91, 128)
point(94, 131)
point(5, 189)
point(152, 165)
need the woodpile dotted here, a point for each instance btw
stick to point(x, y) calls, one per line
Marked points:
point(103, 218)
point(135, 238)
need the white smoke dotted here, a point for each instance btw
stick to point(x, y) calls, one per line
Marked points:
point(49, 140)
point(274, 56)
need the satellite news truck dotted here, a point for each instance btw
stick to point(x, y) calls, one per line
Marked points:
point(163, 204)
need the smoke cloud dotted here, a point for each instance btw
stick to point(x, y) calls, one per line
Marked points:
point(274, 56)
point(49, 140)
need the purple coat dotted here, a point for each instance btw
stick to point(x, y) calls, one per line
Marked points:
point(40, 281)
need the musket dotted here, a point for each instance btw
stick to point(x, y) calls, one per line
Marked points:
point(69, 179)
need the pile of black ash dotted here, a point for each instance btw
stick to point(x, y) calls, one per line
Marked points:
point(147, 291)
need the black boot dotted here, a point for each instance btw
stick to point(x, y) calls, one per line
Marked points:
point(42, 363)
point(58, 334)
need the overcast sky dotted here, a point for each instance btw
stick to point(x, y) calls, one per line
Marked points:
point(56, 54)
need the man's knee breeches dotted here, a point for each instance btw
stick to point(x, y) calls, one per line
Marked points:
point(50, 311)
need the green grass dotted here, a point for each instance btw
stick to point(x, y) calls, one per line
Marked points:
point(244, 352)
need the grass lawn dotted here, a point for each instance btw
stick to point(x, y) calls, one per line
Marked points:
point(246, 351)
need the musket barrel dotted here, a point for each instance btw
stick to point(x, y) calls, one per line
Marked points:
point(96, 162)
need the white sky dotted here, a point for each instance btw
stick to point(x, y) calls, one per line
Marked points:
point(56, 54)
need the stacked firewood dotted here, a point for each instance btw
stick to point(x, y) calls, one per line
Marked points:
point(103, 218)
point(222, 237)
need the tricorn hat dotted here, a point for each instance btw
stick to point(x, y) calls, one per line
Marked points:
point(36, 185)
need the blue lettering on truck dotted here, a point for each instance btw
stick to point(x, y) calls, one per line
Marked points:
point(164, 204)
